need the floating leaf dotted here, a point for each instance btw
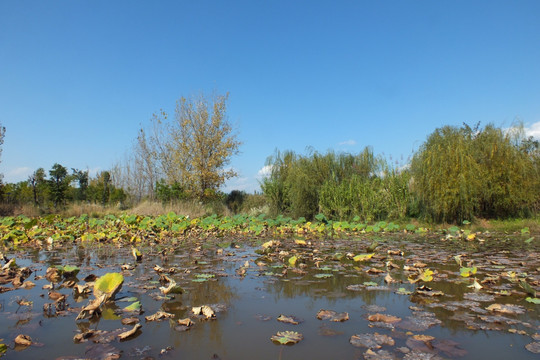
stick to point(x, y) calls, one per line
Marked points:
point(289, 319)
point(403, 291)
point(363, 257)
point(506, 308)
point(292, 260)
point(136, 254)
point(108, 284)
point(533, 300)
point(529, 240)
point(370, 283)
point(287, 337)
point(533, 347)
point(129, 333)
point(136, 306)
point(467, 271)
point(3, 348)
point(331, 315)
point(323, 275)
point(389, 319)
point(23, 340)
point(371, 341)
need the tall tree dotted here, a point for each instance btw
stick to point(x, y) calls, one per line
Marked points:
point(37, 182)
point(2, 135)
point(82, 180)
point(203, 143)
point(58, 184)
point(192, 150)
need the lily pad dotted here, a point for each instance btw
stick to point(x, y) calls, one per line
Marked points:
point(331, 315)
point(286, 337)
point(371, 341)
point(533, 300)
point(136, 306)
point(363, 257)
point(108, 285)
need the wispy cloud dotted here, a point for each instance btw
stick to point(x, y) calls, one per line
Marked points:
point(533, 130)
point(347, 143)
point(17, 174)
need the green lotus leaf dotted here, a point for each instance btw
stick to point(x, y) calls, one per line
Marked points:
point(467, 271)
point(70, 271)
point(363, 257)
point(292, 260)
point(287, 337)
point(533, 300)
point(108, 284)
point(136, 306)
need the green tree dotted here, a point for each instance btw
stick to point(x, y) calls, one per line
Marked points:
point(82, 181)
point(38, 184)
point(2, 136)
point(460, 173)
point(58, 184)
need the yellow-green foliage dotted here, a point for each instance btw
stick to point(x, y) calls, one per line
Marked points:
point(460, 173)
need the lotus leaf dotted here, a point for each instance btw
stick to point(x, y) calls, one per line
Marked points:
point(467, 271)
point(331, 315)
point(533, 300)
point(109, 285)
point(289, 319)
point(286, 337)
point(136, 306)
point(292, 260)
point(23, 340)
point(363, 257)
point(129, 333)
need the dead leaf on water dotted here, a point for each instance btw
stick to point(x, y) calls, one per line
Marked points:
point(506, 308)
point(384, 318)
point(23, 340)
point(160, 315)
point(533, 347)
point(126, 334)
point(371, 341)
point(331, 315)
point(289, 319)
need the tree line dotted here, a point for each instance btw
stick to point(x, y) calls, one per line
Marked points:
point(59, 187)
point(457, 174)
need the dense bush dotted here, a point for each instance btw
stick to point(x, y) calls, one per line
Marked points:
point(460, 173)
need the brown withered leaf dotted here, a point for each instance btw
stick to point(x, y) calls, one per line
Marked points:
point(289, 319)
point(384, 318)
point(129, 333)
point(331, 315)
point(160, 315)
point(23, 340)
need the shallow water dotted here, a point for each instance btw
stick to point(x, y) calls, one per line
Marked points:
point(270, 286)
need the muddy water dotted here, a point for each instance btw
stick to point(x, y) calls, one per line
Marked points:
point(249, 290)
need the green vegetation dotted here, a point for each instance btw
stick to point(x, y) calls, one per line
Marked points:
point(459, 174)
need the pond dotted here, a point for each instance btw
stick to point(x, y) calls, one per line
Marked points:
point(391, 297)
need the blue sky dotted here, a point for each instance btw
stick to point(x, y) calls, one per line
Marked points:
point(78, 78)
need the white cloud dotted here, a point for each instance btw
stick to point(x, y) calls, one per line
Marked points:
point(533, 130)
point(348, 143)
point(264, 172)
